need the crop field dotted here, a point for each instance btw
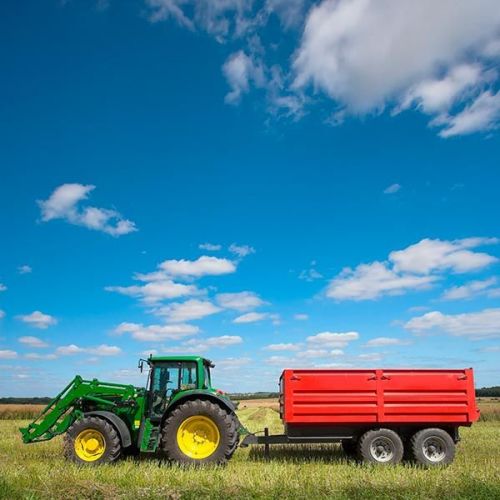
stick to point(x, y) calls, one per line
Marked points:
point(40, 471)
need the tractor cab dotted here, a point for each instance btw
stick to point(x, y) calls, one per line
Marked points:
point(170, 377)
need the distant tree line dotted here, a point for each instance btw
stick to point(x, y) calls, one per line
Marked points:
point(253, 395)
point(25, 401)
point(484, 392)
point(488, 392)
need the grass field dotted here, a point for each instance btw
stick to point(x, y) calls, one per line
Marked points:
point(39, 471)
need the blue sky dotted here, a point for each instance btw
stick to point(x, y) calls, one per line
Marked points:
point(257, 182)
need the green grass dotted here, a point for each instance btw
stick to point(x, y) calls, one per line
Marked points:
point(39, 471)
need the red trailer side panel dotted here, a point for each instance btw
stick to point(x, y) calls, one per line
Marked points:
point(385, 396)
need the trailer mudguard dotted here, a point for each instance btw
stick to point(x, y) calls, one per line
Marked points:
point(119, 424)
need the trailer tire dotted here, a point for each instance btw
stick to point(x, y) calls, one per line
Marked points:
point(431, 447)
point(199, 432)
point(380, 446)
point(92, 441)
point(349, 447)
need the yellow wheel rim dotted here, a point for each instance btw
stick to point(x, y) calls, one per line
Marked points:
point(90, 445)
point(198, 437)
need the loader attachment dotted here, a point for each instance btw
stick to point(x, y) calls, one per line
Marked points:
point(66, 407)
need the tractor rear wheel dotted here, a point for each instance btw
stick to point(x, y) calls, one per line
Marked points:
point(199, 432)
point(92, 441)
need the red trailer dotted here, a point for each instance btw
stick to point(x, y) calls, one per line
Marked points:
point(378, 415)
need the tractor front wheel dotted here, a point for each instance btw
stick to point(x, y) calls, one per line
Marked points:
point(92, 441)
point(199, 432)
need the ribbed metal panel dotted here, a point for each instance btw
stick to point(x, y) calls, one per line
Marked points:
point(391, 396)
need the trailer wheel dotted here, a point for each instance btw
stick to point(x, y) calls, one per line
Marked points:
point(349, 447)
point(199, 432)
point(380, 446)
point(431, 447)
point(92, 441)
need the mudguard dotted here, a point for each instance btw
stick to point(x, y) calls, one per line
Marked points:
point(119, 424)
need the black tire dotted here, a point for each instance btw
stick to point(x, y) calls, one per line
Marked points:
point(76, 452)
point(380, 446)
point(225, 422)
point(349, 447)
point(432, 447)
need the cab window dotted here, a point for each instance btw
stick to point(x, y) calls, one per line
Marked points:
point(168, 378)
point(207, 383)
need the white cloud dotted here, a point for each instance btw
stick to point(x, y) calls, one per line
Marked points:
point(165, 9)
point(370, 281)
point(33, 342)
point(354, 52)
point(210, 247)
point(222, 341)
point(217, 17)
point(492, 49)
point(153, 276)
point(438, 95)
point(241, 301)
point(414, 268)
point(157, 333)
point(38, 319)
point(491, 348)
point(251, 317)
point(38, 356)
point(385, 341)
point(290, 12)
point(471, 289)
point(241, 250)
point(2, 287)
point(312, 353)
point(25, 269)
point(155, 291)
point(482, 114)
point(187, 311)
point(104, 350)
point(203, 266)
point(301, 317)
point(240, 71)
point(197, 346)
point(310, 274)
point(476, 325)
point(64, 203)
point(280, 361)
point(282, 347)
point(2, 314)
point(232, 363)
point(429, 255)
point(101, 350)
point(373, 356)
point(331, 340)
point(393, 188)
point(7, 354)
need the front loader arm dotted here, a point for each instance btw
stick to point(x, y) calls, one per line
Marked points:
point(64, 409)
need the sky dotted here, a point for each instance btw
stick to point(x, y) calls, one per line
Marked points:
point(268, 184)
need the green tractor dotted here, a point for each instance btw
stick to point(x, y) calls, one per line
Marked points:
point(179, 414)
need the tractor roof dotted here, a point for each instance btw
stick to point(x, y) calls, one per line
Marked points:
point(196, 359)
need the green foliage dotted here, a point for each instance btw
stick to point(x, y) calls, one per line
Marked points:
point(25, 401)
point(243, 396)
point(492, 392)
